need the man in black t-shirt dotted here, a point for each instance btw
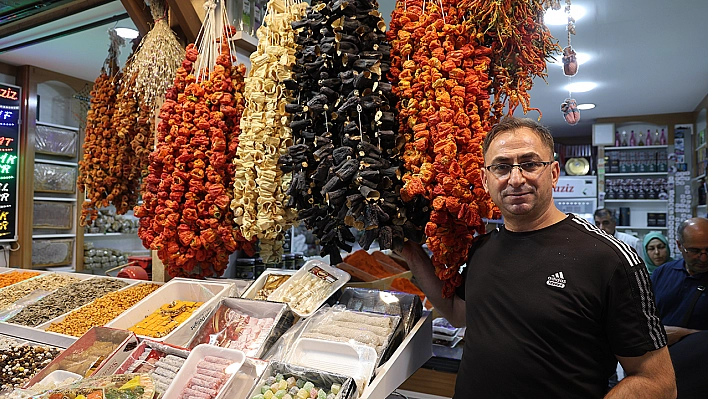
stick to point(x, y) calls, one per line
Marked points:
point(550, 301)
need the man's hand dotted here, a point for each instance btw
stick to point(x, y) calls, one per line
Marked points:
point(674, 333)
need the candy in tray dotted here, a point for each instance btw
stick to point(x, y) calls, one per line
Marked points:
point(207, 373)
point(281, 379)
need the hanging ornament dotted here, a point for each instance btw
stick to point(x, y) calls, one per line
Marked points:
point(570, 62)
point(570, 110)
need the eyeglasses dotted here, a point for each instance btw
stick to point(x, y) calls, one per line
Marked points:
point(695, 251)
point(531, 168)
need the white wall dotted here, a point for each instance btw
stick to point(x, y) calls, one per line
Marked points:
point(57, 105)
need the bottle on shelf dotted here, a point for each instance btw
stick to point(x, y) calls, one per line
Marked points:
point(624, 139)
point(648, 138)
point(617, 138)
point(641, 139)
point(657, 139)
point(662, 139)
point(632, 140)
point(651, 161)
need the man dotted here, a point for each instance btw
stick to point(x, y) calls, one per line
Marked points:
point(550, 302)
point(680, 291)
point(606, 220)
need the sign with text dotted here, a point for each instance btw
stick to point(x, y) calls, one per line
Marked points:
point(9, 160)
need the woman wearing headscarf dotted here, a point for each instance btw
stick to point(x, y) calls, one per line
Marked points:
point(656, 250)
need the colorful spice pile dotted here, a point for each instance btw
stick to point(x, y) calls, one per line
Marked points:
point(102, 310)
point(65, 300)
point(165, 319)
point(345, 161)
point(15, 277)
point(259, 184)
point(185, 214)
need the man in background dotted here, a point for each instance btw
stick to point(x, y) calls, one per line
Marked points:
point(606, 220)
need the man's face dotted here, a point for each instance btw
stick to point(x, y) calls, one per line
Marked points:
point(606, 223)
point(695, 248)
point(520, 193)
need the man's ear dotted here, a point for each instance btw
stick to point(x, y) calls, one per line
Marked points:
point(484, 179)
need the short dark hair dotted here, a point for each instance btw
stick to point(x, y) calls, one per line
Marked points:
point(510, 124)
point(602, 212)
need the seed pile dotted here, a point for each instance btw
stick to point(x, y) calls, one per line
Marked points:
point(65, 299)
point(101, 310)
point(49, 282)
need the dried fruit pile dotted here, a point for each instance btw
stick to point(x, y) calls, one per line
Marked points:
point(185, 215)
point(345, 161)
point(101, 170)
point(259, 184)
point(454, 68)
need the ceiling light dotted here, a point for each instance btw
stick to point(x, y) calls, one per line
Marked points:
point(580, 87)
point(558, 17)
point(587, 106)
point(580, 57)
point(127, 33)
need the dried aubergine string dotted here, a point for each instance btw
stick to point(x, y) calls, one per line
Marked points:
point(345, 159)
point(186, 215)
point(259, 184)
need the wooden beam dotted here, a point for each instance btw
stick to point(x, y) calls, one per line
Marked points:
point(69, 7)
point(140, 14)
point(186, 17)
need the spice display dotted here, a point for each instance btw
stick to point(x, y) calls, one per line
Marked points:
point(47, 282)
point(101, 170)
point(185, 215)
point(304, 293)
point(273, 281)
point(15, 277)
point(259, 184)
point(101, 310)
point(19, 362)
point(371, 330)
point(288, 387)
point(65, 299)
point(208, 380)
point(345, 158)
point(165, 319)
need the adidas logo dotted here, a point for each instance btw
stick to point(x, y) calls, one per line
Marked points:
point(556, 280)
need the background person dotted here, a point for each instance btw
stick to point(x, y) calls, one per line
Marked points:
point(656, 250)
point(606, 220)
point(550, 302)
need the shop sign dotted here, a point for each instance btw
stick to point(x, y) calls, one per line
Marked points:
point(9, 153)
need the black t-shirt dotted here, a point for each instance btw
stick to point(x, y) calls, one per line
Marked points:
point(547, 311)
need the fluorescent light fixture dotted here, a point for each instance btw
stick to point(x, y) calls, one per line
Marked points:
point(127, 33)
point(559, 17)
point(580, 87)
point(587, 106)
point(580, 57)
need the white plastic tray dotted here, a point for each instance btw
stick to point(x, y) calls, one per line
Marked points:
point(340, 278)
point(253, 289)
point(190, 367)
point(353, 360)
point(209, 292)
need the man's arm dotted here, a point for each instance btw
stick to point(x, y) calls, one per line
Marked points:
point(452, 308)
point(648, 376)
point(674, 333)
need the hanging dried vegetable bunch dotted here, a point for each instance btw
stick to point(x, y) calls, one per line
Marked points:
point(346, 157)
point(100, 170)
point(151, 71)
point(441, 76)
point(259, 184)
point(185, 216)
point(521, 44)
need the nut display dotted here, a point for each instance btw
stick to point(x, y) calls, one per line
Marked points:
point(19, 362)
point(65, 299)
point(15, 277)
point(165, 319)
point(101, 310)
point(48, 282)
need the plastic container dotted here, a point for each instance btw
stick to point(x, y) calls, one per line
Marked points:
point(257, 285)
point(320, 378)
point(178, 289)
point(190, 367)
point(310, 287)
point(350, 359)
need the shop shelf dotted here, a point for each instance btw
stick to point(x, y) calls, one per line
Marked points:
point(636, 174)
point(649, 201)
point(636, 147)
point(642, 227)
